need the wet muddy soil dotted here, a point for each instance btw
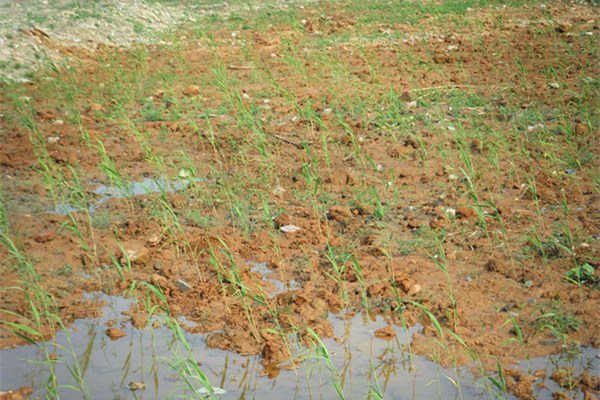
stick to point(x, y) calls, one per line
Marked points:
point(253, 179)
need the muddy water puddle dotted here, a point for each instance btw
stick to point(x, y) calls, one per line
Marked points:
point(135, 188)
point(108, 366)
point(360, 360)
point(270, 276)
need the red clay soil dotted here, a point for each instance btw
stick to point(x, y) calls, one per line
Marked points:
point(491, 278)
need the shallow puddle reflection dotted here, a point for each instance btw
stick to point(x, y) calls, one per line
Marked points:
point(360, 362)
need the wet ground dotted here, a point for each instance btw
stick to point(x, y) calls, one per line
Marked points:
point(270, 177)
point(144, 356)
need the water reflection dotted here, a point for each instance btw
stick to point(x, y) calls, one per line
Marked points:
point(364, 364)
point(146, 186)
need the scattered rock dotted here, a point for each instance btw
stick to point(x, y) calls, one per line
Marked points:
point(289, 228)
point(46, 236)
point(410, 105)
point(414, 289)
point(182, 285)
point(278, 190)
point(115, 333)
point(385, 333)
point(136, 385)
point(135, 251)
point(192, 90)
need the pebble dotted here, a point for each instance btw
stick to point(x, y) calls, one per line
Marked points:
point(182, 285)
point(528, 284)
point(115, 333)
point(136, 252)
point(410, 105)
point(136, 385)
point(385, 333)
point(279, 190)
point(414, 289)
point(46, 236)
point(192, 90)
point(289, 228)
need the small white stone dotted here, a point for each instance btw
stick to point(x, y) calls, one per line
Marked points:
point(410, 104)
point(279, 190)
point(53, 139)
point(289, 228)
